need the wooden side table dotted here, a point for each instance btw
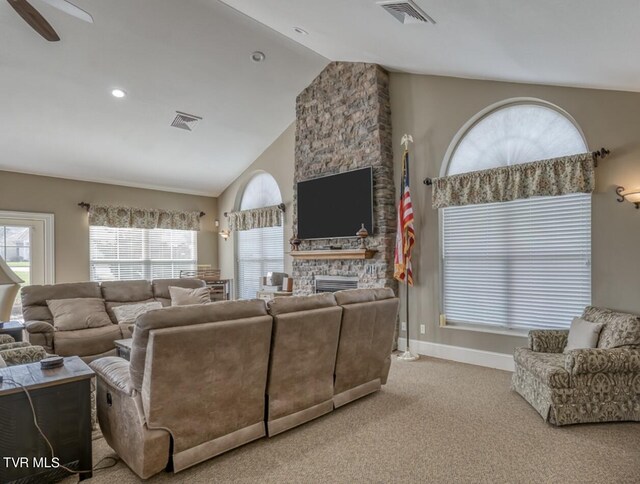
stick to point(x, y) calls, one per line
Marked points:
point(62, 400)
point(123, 346)
point(12, 328)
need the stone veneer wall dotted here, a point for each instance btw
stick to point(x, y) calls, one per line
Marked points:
point(343, 122)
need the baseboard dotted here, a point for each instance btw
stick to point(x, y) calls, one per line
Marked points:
point(490, 359)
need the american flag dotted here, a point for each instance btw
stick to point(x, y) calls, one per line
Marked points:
point(406, 236)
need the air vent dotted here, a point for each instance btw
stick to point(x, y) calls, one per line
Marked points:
point(407, 12)
point(185, 121)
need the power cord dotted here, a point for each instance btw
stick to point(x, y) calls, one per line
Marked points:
point(35, 421)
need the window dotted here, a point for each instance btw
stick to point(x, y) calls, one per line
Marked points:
point(525, 263)
point(259, 250)
point(26, 244)
point(126, 254)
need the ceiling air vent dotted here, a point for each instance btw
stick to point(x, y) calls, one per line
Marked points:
point(185, 121)
point(407, 12)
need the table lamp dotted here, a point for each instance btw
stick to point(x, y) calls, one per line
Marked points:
point(9, 287)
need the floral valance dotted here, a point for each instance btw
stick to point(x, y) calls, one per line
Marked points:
point(256, 218)
point(142, 218)
point(557, 176)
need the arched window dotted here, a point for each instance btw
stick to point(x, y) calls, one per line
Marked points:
point(259, 250)
point(525, 263)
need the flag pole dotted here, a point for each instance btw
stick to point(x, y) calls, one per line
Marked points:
point(407, 355)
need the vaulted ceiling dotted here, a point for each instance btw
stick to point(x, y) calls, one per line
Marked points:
point(58, 117)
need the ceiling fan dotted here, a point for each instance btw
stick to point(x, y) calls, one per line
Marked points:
point(38, 22)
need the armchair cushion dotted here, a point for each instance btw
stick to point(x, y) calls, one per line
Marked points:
point(620, 329)
point(583, 334)
point(548, 340)
point(17, 344)
point(5, 338)
point(598, 360)
point(549, 368)
point(23, 355)
point(115, 372)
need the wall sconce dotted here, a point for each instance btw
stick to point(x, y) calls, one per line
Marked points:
point(225, 234)
point(632, 196)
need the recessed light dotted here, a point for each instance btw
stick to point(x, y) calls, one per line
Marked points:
point(257, 56)
point(300, 31)
point(119, 93)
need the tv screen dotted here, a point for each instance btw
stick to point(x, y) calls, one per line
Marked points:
point(336, 205)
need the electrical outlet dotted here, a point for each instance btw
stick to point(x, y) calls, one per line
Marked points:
point(423, 328)
point(403, 326)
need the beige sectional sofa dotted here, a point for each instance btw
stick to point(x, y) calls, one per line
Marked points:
point(207, 378)
point(90, 343)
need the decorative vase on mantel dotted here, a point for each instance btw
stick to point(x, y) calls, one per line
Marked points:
point(295, 243)
point(362, 234)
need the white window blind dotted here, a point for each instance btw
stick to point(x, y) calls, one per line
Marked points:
point(126, 254)
point(519, 264)
point(259, 250)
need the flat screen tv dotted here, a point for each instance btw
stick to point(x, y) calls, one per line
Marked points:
point(335, 206)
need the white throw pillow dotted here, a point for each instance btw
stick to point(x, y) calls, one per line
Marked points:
point(128, 313)
point(583, 334)
point(182, 296)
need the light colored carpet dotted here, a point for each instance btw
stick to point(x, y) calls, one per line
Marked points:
point(435, 421)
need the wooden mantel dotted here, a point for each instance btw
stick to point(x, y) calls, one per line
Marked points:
point(334, 254)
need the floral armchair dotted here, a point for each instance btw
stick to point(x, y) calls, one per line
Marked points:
point(18, 353)
point(585, 385)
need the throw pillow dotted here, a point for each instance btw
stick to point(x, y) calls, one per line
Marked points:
point(583, 334)
point(620, 329)
point(78, 313)
point(128, 313)
point(182, 296)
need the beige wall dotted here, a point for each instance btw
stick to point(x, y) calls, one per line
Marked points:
point(30, 193)
point(433, 109)
point(277, 160)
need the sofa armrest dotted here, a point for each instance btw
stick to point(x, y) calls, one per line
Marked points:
point(548, 340)
point(23, 355)
point(40, 333)
point(601, 360)
point(114, 371)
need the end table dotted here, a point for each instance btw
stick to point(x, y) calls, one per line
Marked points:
point(12, 328)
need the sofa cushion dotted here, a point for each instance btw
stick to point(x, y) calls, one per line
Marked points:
point(184, 316)
point(34, 298)
point(184, 296)
point(126, 291)
point(583, 334)
point(355, 296)
point(128, 313)
point(78, 313)
point(549, 368)
point(161, 288)
point(620, 329)
point(292, 304)
point(86, 342)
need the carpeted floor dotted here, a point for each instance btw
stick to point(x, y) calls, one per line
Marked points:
point(435, 421)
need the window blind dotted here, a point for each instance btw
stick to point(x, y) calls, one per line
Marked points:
point(126, 254)
point(519, 264)
point(259, 251)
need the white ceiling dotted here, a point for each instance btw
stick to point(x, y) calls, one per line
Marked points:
point(586, 43)
point(58, 118)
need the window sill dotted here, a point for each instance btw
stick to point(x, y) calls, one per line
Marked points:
point(519, 332)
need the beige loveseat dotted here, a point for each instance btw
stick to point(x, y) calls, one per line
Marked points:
point(207, 378)
point(90, 343)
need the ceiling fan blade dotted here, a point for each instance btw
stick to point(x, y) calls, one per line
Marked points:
point(70, 9)
point(33, 18)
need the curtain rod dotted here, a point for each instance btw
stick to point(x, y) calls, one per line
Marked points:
point(87, 206)
point(281, 206)
point(601, 153)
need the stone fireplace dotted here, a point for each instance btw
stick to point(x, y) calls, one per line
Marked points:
point(343, 122)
